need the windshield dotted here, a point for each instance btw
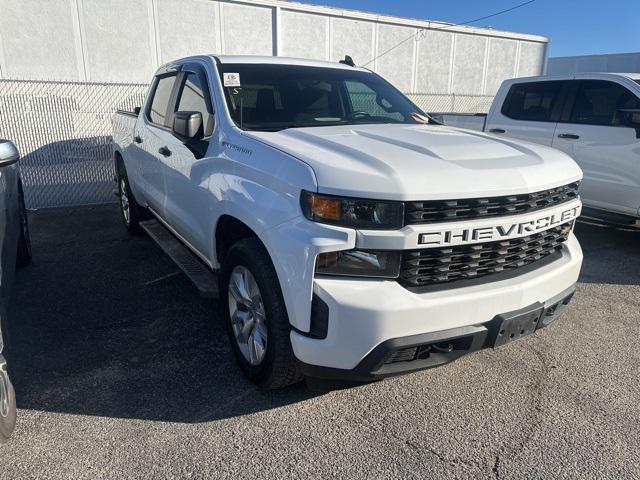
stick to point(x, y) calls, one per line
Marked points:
point(275, 97)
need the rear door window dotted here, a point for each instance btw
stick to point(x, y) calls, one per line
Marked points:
point(598, 102)
point(535, 101)
point(157, 110)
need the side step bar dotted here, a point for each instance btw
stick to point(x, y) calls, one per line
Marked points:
point(611, 218)
point(200, 275)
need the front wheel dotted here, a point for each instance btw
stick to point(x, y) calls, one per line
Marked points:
point(256, 317)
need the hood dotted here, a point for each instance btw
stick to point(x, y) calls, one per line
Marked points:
point(421, 162)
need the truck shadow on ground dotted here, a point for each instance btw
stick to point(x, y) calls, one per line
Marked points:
point(104, 324)
point(611, 254)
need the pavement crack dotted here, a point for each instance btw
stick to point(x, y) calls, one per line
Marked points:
point(496, 466)
point(536, 416)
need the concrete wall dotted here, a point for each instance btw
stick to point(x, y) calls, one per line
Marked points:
point(619, 63)
point(126, 40)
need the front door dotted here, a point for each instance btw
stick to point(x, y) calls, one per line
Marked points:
point(189, 200)
point(608, 152)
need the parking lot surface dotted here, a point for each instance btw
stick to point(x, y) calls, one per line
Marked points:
point(122, 371)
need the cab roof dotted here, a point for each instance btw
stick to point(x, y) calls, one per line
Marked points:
point(270, 60)
point(579, 76)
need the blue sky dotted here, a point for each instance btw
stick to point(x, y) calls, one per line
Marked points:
point(575, 27)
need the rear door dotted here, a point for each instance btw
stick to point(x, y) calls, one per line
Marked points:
point(151, 134)
point(591, 130)
point(529, 112)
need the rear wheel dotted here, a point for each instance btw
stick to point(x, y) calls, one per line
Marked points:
point(256, 317)
point(132, 213)
point(24, 240)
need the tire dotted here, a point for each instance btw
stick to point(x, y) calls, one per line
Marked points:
point(130, 211)
point(7, 405)
point(276, 366)
point(24, 239)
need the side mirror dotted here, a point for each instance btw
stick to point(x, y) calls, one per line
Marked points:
point(187, 125)
point(8, 153)
point(630, 117)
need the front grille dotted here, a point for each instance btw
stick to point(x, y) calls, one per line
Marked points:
point(441, 265)
point(448, 210)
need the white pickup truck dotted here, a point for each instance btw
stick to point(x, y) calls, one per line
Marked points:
point(350, 238)
point(594, 117)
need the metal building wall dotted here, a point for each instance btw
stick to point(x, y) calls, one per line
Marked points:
point(63, 64)
point(126, 40)
point(615, 62)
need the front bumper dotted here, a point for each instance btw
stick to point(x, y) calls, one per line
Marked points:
point(418, 352)
point(368, 320)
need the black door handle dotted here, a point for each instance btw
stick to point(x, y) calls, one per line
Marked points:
point(164, 151)
point(137, 139)
point(497, 130)
point(572, 136)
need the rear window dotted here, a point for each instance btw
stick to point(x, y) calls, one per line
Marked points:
point(532, 101)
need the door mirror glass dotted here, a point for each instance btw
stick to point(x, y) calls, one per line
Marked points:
point(8, 153)
point(187, 125)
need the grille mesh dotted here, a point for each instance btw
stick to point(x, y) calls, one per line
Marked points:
point(449, 210)
point(441, 265)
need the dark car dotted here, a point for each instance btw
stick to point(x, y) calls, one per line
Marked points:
point(15, 251)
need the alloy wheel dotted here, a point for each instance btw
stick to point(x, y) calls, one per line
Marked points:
point(248, 318)
point(124, 201)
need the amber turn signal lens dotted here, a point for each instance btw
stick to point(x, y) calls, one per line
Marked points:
point(324, 208)
point(352, 212)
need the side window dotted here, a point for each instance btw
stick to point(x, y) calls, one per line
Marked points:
point(157, 110)
point(192, 98)
point(598, 103)
point(532, 101)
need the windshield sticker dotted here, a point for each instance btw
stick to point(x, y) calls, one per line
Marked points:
point(231, 79)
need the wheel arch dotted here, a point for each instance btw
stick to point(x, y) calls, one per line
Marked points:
point(229, 230)
point(118, 160)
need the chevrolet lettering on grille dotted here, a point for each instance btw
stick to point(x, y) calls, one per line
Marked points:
point(498, 231)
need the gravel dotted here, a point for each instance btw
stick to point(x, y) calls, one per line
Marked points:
point(122, 371)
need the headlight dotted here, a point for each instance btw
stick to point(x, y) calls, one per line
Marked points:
point(352, 212)
point(359, 263)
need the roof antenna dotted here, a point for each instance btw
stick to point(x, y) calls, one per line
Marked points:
point(348, 61)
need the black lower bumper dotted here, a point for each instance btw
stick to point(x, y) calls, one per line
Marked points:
point(417, 352)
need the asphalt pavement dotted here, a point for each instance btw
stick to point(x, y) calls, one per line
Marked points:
point(122, 371)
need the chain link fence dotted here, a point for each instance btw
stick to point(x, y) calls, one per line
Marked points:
point(63, 130)
point(452, 102)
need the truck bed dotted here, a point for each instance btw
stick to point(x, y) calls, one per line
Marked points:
point(123, 124)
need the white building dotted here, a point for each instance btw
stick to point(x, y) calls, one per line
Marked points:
point(126, 40)
point(67, 65)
